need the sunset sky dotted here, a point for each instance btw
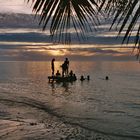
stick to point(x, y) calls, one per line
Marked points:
point(21, 38)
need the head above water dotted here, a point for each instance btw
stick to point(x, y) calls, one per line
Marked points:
point(107, 78)
point(53, 59)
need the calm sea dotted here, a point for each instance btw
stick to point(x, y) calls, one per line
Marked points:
point(108, 107)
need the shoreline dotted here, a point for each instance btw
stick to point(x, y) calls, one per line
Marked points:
point(37, 124)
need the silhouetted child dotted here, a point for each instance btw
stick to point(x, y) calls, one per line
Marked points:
point(58, 73)
point(71, 73)
point(82, 78)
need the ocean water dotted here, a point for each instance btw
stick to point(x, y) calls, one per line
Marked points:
point(110, 108)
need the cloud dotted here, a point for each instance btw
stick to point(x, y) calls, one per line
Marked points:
point(43, 54)
point(16, 6)
point(20, 40)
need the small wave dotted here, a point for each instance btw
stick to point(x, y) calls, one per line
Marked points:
point(134, 105)
point(93, 99)
point(34, 104)
point(114, 111)
point(41, 106)
point(132, 137)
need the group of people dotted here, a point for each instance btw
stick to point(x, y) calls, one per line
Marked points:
point(65, 68)
point(65, 71)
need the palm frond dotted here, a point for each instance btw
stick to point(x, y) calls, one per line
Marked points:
point(65, 14)
point(62, 15)
point(126, 15)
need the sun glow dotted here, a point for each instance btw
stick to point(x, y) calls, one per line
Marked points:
point(61, 52)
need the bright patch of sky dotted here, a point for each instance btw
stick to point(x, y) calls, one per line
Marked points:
point(15, 6)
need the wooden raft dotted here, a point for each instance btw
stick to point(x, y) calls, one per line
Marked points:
point(62, 79)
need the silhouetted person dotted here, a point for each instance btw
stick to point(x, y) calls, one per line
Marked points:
point(82, 78)
point(106, 78)
point(88, 77)
point(58, 73)
point(52, 66)
point(67, 65)
point(64, 67)
point(71, 73)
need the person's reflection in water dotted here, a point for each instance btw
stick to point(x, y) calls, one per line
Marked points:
point(61, 88)
point(65, 85)
point(53, 87)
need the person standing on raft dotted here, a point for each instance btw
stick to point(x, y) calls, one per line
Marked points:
point(67, 65)
point(52, 66)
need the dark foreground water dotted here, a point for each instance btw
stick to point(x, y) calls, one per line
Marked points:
point(32, 108)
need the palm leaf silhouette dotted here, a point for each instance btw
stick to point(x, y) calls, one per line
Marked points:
point(63, 14)
point(80, 14)
point(126, 13)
